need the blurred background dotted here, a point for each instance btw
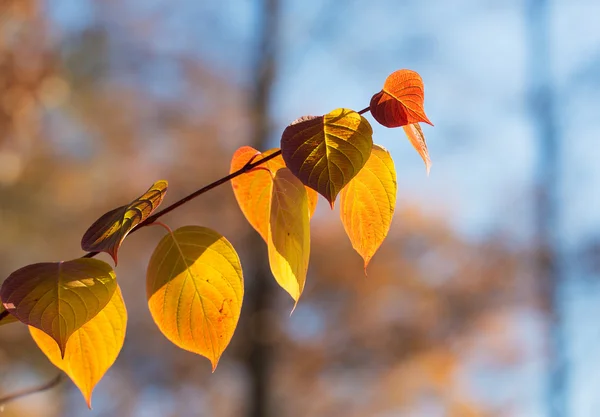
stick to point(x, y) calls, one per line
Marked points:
point(483, 300)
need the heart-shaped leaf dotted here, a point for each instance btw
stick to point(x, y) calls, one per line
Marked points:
point(401, 101)
point(289, 233)
point(326, 152)
point(368, 203)
point(59, 297)
point(108, 232)
point(92, 349)
point(253, 189)
point(417, 139)
point(195, 287)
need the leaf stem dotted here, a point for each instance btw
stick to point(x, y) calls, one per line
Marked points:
point(33, 390)
point(246, 168)
point(366, 109)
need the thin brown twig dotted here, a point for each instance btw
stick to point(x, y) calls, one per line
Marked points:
point(246, 168)
point(33, 390)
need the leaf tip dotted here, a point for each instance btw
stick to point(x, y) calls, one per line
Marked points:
point(88, 399)
point(214, 362)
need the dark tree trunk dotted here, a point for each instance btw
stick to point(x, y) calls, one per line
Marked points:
point(547, 204)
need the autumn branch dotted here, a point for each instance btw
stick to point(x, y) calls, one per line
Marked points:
point(246, 168)
point(33, 390)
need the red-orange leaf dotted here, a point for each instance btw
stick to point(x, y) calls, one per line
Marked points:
point(253, 190)
point(417, 140)
point(401, 101)
point(326, 152)
point(108, 232)
point(368, 203)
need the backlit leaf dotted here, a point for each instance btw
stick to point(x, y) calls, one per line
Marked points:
point(108, 232)
point(59, 297)
point(195, 287)
point(253, 189)
point(92, 349)
point(401, 101)
point(326, 152)
point(6, 317)
point(417, 140)
point(289, 233)
point(368, 203)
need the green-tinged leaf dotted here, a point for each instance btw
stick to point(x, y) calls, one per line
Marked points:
point(289, 233)
point(326, 152)
point(108, 232)
point(253, 189)
point(59, 297)
point(368, 203)
point(92, 349)
point(417, 140)
point(6, 317)
point(195, 287)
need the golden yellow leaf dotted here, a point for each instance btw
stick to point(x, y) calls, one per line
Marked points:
point(108, 232)
point(417, 139)
point(92, 349)
point(253, 189)
point(195, 287)
point(289, 233)
point(59, 297)
point(326, 152)
point(368, 203)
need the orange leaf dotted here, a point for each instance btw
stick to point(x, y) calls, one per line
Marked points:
point(252, 190)
point(108, 232)
point(417, 140)
point(368, 203)
point(194, 286)
point(326, 152)
point(92, 349)
point(401, 101)
point(289, 233)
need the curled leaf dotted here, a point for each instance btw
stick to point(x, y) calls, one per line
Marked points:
point(289, 233)
point(92, 349)
point(195, 287)
point(400, 102)
point(59, 297)
point(326, 152)
point(108, 232)
point(368, 203)
point(417, 139)
point(253, 189)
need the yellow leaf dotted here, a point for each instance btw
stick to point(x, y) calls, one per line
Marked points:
point(289, 233)
point(59, 297)
point(195, 287)
point(417, 140)
point(92, 349)
point(108, 232)
point(326, 152)
point(253, 189)
point(368, 203)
